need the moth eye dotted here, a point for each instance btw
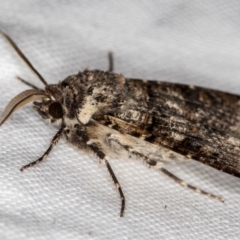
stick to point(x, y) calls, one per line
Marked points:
point(55, 110)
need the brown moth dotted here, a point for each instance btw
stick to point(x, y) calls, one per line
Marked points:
point(110, 115)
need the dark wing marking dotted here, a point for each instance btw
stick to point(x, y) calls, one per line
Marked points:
point(200, 123)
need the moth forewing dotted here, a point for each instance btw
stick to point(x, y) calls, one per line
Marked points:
point(159, 122)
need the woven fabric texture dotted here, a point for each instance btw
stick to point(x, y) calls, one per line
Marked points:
point(70, 195)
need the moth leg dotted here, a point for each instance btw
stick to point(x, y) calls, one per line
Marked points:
point(110, 62)
point(27, 83)
point(116, 183)
point(96, 149)
point(134, 149)
point(54, 141)
point(186, 185)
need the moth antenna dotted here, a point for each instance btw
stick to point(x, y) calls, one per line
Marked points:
point(27, 83)
point(20, 100)
point(20, 53)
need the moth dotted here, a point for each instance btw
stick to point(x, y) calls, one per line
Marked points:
point(110, 115)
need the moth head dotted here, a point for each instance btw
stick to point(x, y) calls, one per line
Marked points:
point(49, 107)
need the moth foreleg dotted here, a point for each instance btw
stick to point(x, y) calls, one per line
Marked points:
point(186, 185)
point(95, 147)
point(54, 141)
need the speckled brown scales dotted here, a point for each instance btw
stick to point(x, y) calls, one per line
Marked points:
point(199, 123)
point(113, 116)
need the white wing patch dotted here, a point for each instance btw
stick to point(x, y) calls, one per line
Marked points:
point(115, 144)
point(87, 110)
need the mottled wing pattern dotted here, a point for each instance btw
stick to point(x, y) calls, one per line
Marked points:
point(199, 123)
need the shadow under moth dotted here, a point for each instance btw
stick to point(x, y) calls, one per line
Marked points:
point(159, 122)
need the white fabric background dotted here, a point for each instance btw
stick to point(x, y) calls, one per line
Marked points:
point(71, 196)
